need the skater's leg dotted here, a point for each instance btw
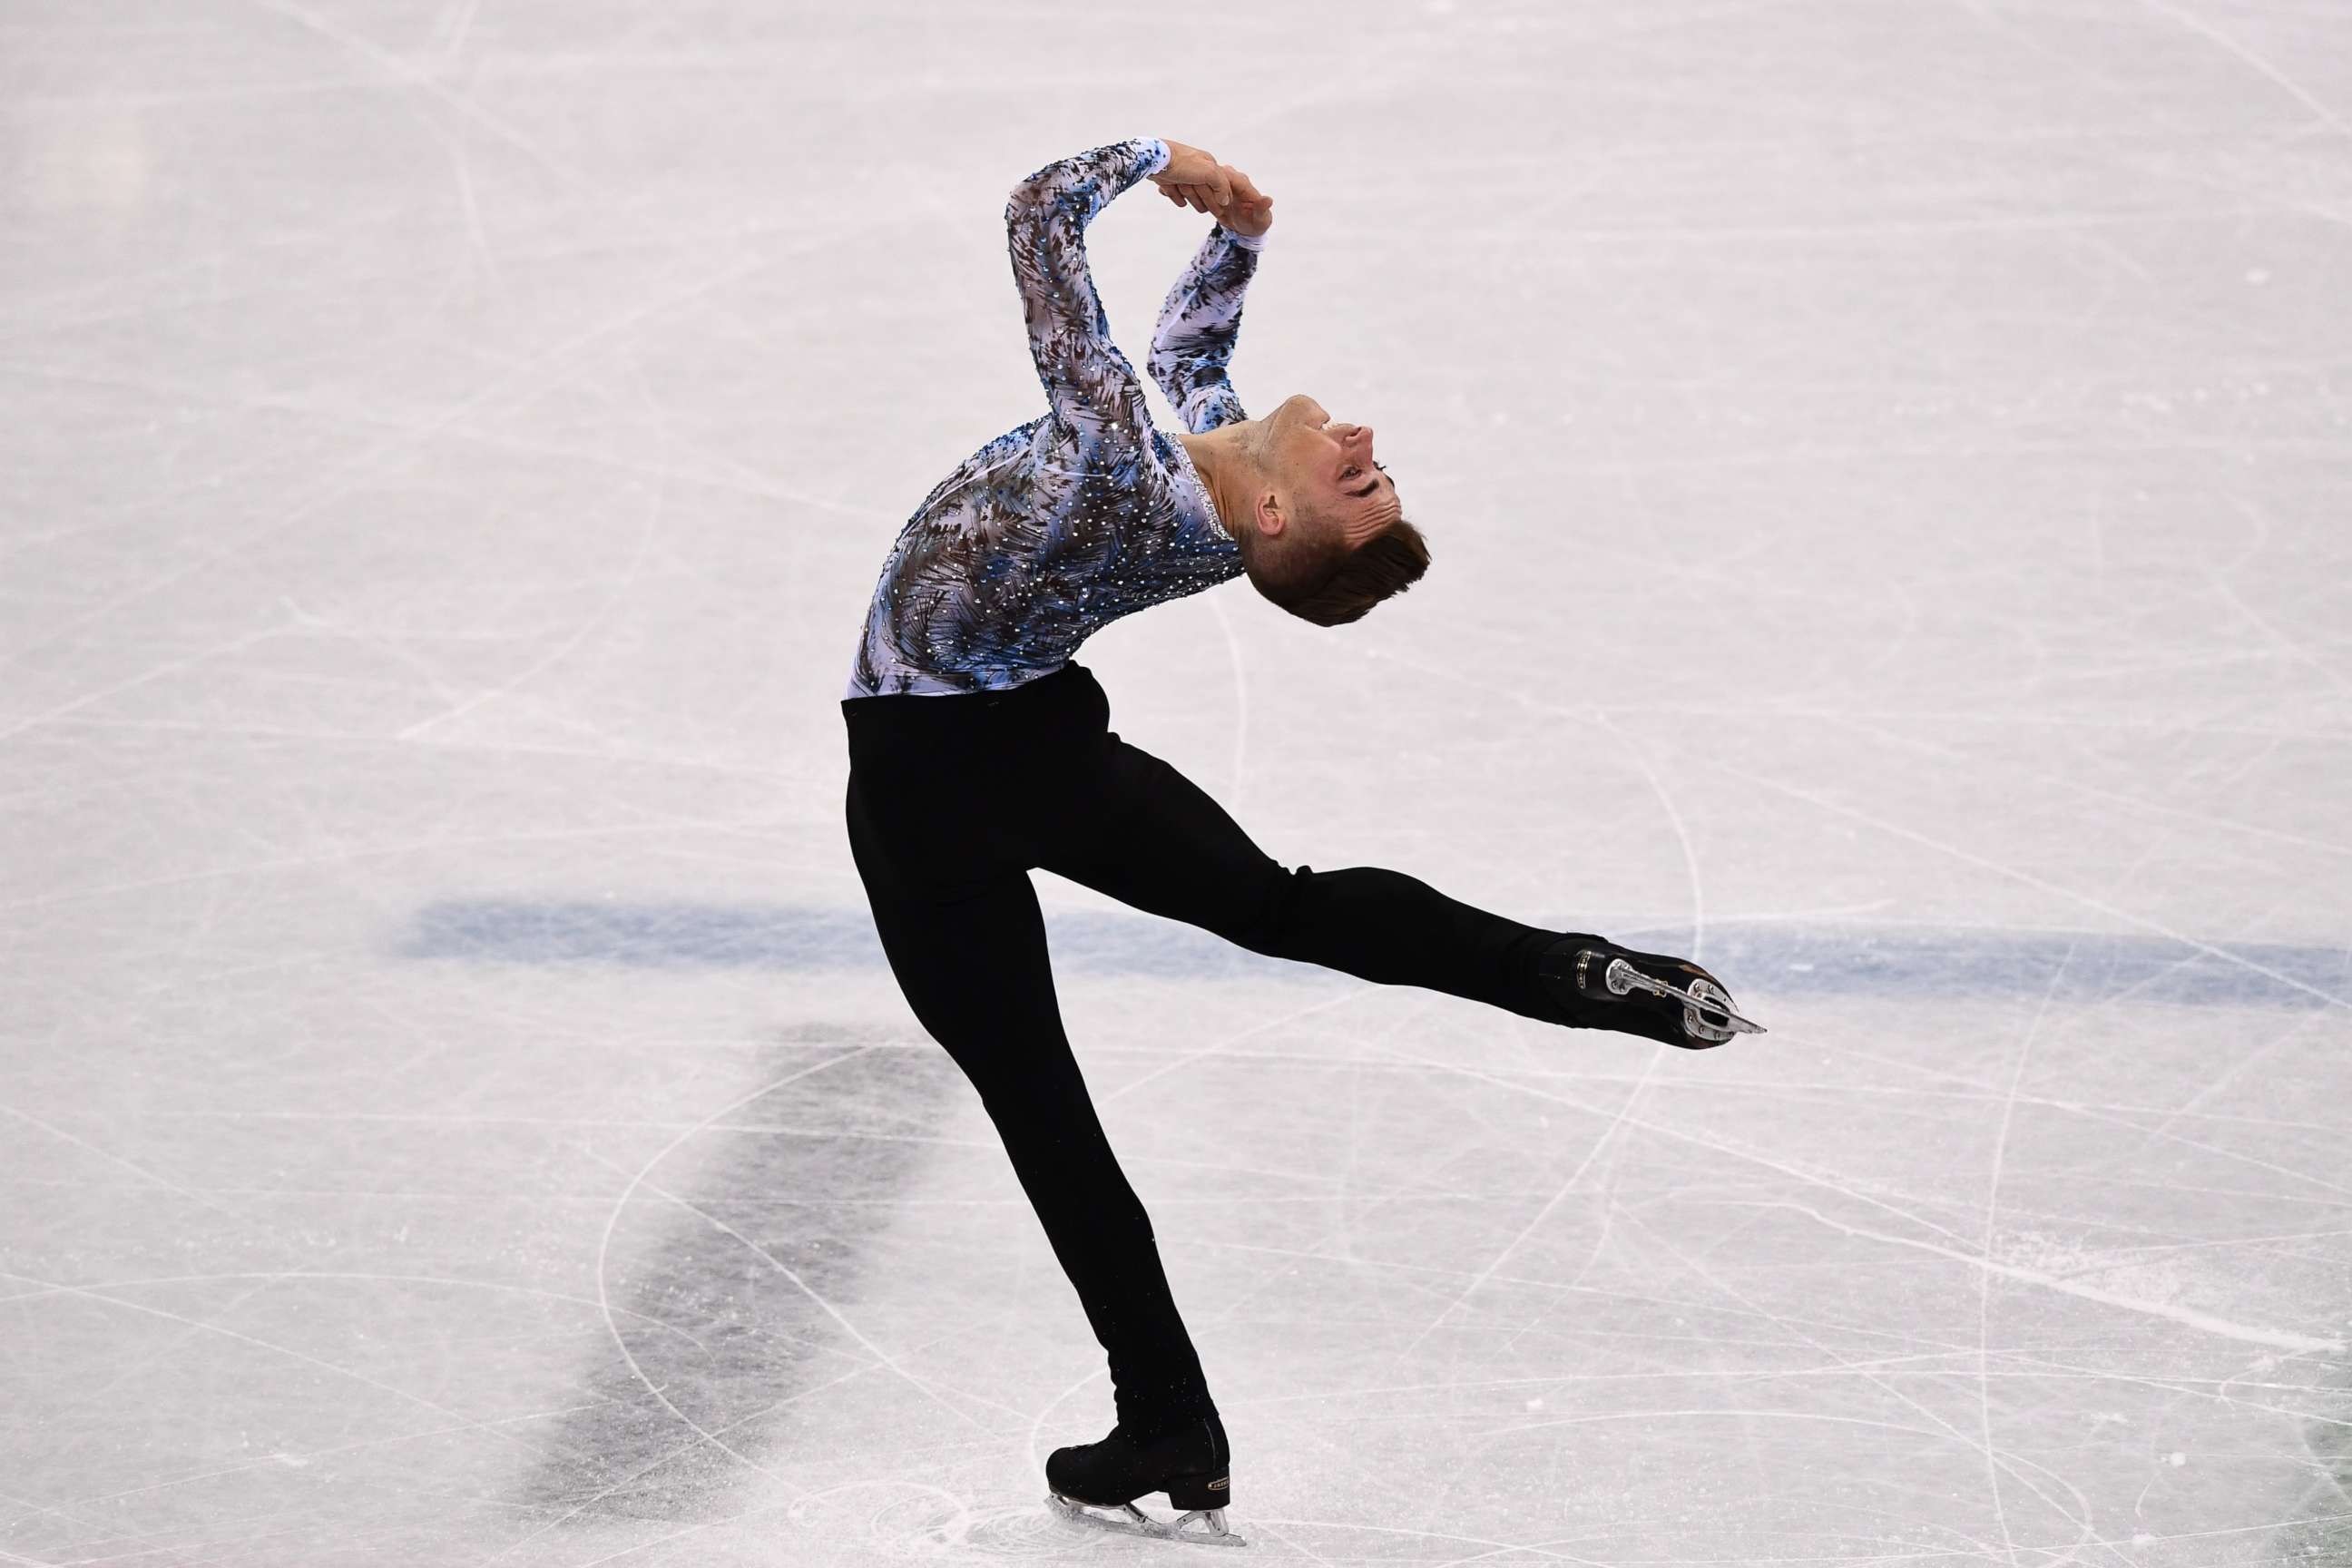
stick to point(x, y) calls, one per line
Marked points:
point(1147, 835)
point(973, 967)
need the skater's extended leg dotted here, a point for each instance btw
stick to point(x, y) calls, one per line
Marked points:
point(972, 962)
point(1149, 837)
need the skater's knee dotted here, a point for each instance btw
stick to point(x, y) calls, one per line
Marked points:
point(1272, 917)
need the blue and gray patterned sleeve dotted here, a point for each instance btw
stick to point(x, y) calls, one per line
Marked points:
point(1194, 341)
point(1089, 382)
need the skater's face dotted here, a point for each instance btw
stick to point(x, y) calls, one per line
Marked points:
point(1326, 480)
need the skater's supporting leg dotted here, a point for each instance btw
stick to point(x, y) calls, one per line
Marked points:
point(972, 963)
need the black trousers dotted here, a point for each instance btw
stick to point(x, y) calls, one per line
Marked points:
point(953, 800)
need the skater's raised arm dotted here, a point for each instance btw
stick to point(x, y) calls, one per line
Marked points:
point(1194, 341)
point(1089, 382)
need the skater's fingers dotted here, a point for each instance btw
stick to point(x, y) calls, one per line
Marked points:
point(1182, 192)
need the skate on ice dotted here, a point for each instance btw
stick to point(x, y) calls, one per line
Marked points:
point(1202, 1527)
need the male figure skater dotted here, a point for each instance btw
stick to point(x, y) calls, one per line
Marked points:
point(979, 751)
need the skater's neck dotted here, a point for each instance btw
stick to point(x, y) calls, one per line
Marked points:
point(1228, 461)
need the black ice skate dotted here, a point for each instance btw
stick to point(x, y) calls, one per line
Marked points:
point(1097, 1484)
point(1598, 984)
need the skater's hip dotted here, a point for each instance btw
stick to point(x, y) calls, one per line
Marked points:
point(948, 792)
point(936, 736)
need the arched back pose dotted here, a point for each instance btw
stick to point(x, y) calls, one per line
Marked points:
point(978, 752)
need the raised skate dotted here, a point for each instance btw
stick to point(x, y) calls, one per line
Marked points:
point(1707, 1006)
point(1599, 984)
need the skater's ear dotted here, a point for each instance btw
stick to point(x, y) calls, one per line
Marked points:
point(1270, 515)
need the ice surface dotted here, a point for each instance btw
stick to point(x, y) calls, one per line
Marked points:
point(1888, 466)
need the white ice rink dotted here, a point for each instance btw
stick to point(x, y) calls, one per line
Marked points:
point(1889, 464)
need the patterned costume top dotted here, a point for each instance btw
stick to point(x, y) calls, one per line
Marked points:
point(1062, 525)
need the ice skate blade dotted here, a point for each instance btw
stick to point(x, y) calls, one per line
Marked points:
point(1706, 1009)
point(1129, 1519)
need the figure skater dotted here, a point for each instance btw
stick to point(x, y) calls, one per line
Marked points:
point(979, 751)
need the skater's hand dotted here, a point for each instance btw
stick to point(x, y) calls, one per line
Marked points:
point(1194, 179)
point(1250, 211)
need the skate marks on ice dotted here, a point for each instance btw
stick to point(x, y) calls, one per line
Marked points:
point(1759, 959)
point(732, 1265)
point(929, 1523)
point(935, 1524)
point(2322, 1534)
point(940, 1525)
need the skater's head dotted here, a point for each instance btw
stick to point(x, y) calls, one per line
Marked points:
point(1321, 531)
